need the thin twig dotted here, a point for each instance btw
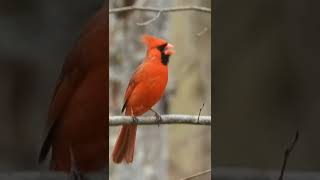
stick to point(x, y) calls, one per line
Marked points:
point(204, 30)
point(196, 175)
point(200, 111)
point(166, 119)
point(163, 10)
point(149, 21)
point(287, 153)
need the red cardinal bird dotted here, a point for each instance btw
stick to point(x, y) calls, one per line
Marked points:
point(145, 88)
point(78, 131)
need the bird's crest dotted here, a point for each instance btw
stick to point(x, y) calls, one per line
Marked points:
point(152, 42)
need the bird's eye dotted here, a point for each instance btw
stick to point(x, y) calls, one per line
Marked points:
point(162, 47)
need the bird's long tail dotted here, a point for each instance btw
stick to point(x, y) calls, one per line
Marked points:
point(124, 148)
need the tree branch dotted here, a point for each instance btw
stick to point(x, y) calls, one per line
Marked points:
point(163, 10)
point(159, 11)
point(166, 119)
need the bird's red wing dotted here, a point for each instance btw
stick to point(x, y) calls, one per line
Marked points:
point(136, 78)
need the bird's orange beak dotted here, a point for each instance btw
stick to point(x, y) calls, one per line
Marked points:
point(169, 49)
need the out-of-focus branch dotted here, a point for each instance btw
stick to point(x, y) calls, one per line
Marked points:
point(163, 10)
point(49, 175)
point(197, 175)
point(166, 119)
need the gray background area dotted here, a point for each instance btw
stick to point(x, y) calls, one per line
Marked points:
point(266, 72)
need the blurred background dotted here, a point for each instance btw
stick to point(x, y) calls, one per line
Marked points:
point(35, 36)
point(169, 151)
point(266, 75)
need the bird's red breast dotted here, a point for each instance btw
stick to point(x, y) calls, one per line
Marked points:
point(146, 87)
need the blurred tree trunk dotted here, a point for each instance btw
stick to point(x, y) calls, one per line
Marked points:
point(126, 53)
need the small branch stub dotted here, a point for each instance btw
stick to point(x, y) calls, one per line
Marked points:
point(166, 119)
point(287, 154)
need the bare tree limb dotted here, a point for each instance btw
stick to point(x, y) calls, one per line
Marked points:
point(159, 11)
point(287, 153)
point(198, 174)
point(164, 10)
point(166, 119)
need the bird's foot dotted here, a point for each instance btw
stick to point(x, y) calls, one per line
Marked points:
point(135, 119)
point(158, 117)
